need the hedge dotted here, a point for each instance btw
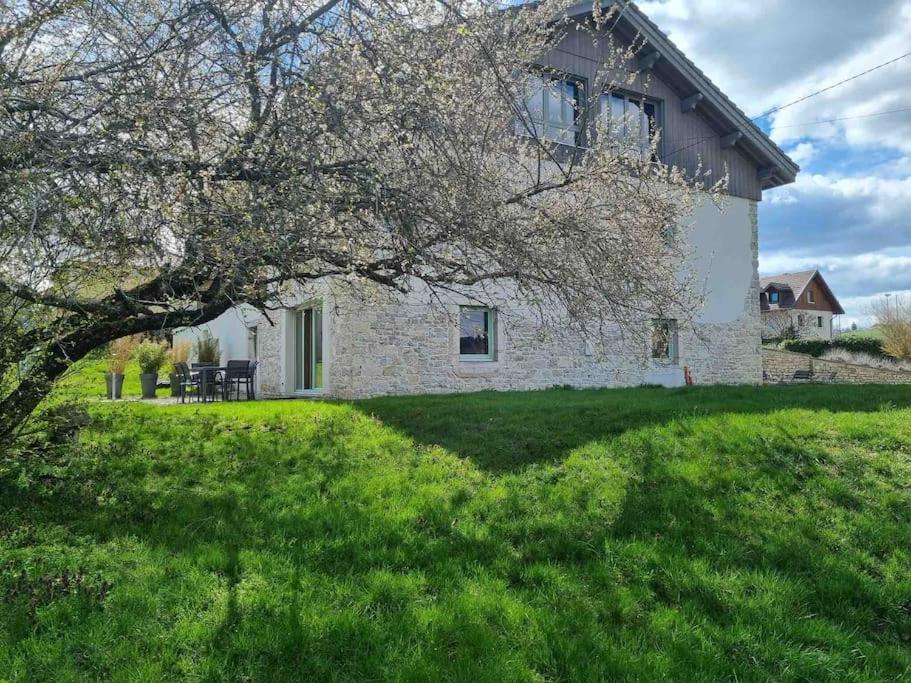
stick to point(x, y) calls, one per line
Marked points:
point(858, 344)
point(817, 347)
point(812, 347)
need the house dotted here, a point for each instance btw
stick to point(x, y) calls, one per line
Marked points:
point(333, 343)
point(800, 304)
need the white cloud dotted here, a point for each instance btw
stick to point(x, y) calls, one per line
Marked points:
point(859, 309)
point(884, 90)
point(771, 53)
point(850, 216)
point(803, 153)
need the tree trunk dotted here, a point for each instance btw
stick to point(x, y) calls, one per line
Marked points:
point(37, 384)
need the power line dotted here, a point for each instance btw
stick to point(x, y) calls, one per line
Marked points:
point(846, 118)
point(831, 87)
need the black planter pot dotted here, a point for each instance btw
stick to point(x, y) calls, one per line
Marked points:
point(149, 384)
point(114, 382)
point(175, 385)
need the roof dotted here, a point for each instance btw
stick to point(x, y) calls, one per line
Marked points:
point(793, 281)
point(797, 283)
point(775, 167)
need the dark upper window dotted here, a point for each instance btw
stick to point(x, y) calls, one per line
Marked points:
point(773, 297)
point(631, 119)
point(550, 109)
point(811, 297)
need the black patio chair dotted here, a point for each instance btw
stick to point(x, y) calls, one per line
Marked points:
point(188, 381)
point(237, 372)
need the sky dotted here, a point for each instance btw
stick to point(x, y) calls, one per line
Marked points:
point(849, 213)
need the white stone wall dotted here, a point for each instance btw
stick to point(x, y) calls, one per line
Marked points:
point(408, 346)
point(230, 329)
point(776, 321)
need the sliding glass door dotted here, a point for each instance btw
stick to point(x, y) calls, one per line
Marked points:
point(308, 348)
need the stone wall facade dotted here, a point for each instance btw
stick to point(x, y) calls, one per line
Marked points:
point(407, 345)
point(780, 366)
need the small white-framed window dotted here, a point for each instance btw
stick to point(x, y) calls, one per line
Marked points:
point(550, 109)
point(630, 118)
point(811, 297)
point(665, 342)
point(477, 333)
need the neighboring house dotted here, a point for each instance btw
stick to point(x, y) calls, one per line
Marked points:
point(797, 304)
point(333, 344)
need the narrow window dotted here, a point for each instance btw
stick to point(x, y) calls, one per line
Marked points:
point(477, 340)
point(253, 342)
point(819, 321)
point(550, 110)
point(308, 348)
point(664, 340)
point(811, 298)
point(773, 297)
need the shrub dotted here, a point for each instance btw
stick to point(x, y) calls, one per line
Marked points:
point(119, 352)
point(813, 347)
point(151, 356)
point(860, 344)
point(894, 324)
point(207, 350)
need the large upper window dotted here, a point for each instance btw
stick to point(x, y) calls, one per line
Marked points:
point(477, 336)
point(550, 110)
point(664, 340)
point(630, 118)
point(811, 296)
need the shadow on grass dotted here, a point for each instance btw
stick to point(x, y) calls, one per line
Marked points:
point(700, 550)
point(501, 432)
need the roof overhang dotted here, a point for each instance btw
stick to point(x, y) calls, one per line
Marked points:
point(735, 128)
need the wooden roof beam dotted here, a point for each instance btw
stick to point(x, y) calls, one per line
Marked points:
point(731, 139)
point(647, 62)
point(767, 173)
point(690, 103)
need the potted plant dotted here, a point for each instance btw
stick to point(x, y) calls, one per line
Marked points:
point(151, 356)
point(119, 352)
point(207, 350)
point(180, 353)
point(208, 353)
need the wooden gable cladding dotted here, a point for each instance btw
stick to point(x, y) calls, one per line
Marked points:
point(822, 301)
point(688, 138)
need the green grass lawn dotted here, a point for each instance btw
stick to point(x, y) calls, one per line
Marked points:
point(702, 534)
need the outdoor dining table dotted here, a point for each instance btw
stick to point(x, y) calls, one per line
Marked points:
point(207, 377)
